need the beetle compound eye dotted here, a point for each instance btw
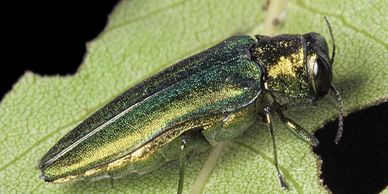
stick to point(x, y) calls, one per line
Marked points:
point(322, 77)
point(315, 69)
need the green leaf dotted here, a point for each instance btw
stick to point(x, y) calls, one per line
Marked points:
point(144, 37)
point(385, 191)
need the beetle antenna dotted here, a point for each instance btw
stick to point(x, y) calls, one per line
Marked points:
point(339, 99)
point(332, 40)
point(340, 115)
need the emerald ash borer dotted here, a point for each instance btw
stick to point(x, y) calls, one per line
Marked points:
point(207, 98)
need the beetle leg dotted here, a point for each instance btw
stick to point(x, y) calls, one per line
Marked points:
point(268, 120)
point(298, 130)
point(182, 161)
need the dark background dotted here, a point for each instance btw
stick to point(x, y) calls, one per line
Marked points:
point(49, 39)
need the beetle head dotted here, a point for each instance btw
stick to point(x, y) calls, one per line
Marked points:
point(297, 68)
point(317, 64)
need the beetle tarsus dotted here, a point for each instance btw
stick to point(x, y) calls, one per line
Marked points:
point(182, 161)
point(282, 182)
point(268, 119)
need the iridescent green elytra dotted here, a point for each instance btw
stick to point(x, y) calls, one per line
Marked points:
point(210, 97)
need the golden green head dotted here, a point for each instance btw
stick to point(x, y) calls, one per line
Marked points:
point(297, 67)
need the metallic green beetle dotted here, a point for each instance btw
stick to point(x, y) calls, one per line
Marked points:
point(210, 97)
